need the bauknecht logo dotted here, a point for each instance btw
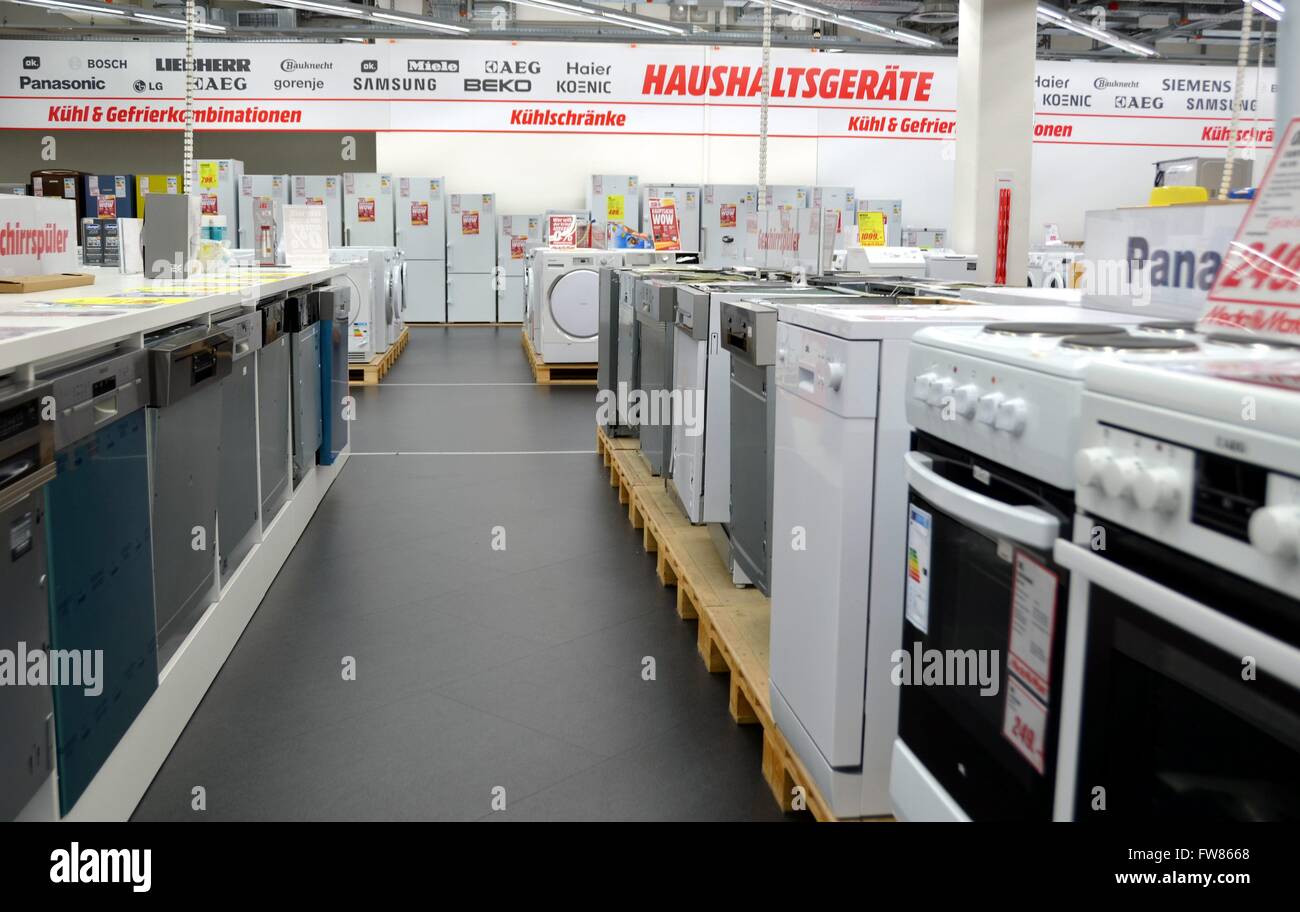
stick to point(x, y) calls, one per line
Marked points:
point(294, 66)
point(1101, 82)
point(433, 66)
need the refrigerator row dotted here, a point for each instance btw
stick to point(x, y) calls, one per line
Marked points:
point(1025, 561)
point(130, 512)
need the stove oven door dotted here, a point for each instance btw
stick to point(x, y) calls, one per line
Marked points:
point(1182, 697)
point(983, 642)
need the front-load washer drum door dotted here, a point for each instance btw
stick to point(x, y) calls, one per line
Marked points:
point(574, 303)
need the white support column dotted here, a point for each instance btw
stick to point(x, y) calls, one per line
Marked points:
point(995, 123)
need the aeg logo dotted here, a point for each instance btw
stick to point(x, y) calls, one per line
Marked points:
point(511, 67)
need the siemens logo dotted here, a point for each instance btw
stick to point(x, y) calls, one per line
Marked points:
point(62, 85)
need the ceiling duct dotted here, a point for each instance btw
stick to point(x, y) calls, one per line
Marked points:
point(934, 12)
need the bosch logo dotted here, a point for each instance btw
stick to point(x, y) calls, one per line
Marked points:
point(31, 63)
point(512, 67)
point(433, 66)
point(105, 64)
point(370, 66)
point(295, 66)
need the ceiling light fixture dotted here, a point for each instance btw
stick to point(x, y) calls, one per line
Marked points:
point(1270, 8)
point(1050, 15)
point(642, 24)
point(334, 9)
point(178, 23)
point(915, 39)
point(417, 23)
point(60, 5)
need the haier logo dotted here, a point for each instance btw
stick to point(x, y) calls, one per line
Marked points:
point(433, 66)
point(31, 63)
point(370, 66)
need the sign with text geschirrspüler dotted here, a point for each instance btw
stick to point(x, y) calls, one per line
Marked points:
point(1257, 292)
point(665, 230)
point(38, 235)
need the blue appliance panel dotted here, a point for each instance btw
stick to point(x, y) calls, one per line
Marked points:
point(110, 196)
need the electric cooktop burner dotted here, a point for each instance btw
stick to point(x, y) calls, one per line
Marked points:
point(1171, 327)
point(1122, 341)
point(1053, 329)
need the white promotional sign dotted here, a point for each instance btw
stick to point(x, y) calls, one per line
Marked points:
point(306, 236)
point(38, 236)
point(1257, 293)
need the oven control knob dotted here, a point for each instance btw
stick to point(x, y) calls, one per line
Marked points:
point(1011, 416)
point(1119, 475)
point(940, 389)
point(834, 374)
point(921, 386)
point(1276, 531)
point(1089, 464)
point(1157, 489)
point(986, 410)
point(965, 398)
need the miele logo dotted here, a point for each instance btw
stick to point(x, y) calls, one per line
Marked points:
point(31, 63)
point(294, 66)
point(513, 67)
point(370, 66)
point(204, 64)
point(433, 66)
point(1101, 82)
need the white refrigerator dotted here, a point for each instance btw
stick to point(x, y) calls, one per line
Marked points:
point(686, 200)
point(723, 210)
point(321, 190)
point(516, 235)
point(613, 201)
point(253, 187)
point(843, 201)
point(422, 238)
point(788, 196)
point(471, 258)
point(218, 181)
point(367, 210)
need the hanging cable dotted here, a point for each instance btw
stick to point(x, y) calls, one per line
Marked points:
point(188, 174)
point(1243, 59)
point(762, 110)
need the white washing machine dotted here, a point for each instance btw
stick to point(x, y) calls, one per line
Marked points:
point(567, 292)
point(378, 274)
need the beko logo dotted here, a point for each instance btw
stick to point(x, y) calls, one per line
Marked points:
point(370, 66)
point(295, 66)
point(204, 64)
point(62, 85)
point(31, 63)
point(498, 85)
point(433, 66)
point(1101, 82)
point(511, 67)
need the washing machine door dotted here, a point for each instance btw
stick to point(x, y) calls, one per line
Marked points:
point(573, 301)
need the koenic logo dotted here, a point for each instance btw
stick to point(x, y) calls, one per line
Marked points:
point(432, 66)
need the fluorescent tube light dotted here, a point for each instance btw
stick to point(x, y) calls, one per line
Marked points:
point(414, 22)
point(60, 5)
point(1053, 16)
point(178, 23)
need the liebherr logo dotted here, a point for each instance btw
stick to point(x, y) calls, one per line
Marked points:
point(76, 865)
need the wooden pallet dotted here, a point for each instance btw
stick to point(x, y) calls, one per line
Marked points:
point(373, 371)
point(605, 444)
point(424, 324)
point(733, 632)
point(578, 374)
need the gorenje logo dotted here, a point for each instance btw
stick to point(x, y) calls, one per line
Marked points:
point(294, 66)
point(76, 865)
point(62, 85)
point(31, 63)
point(433, 66)
point(370, 66)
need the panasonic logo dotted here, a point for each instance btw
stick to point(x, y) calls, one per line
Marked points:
point(62, 85)
point(1172, 268)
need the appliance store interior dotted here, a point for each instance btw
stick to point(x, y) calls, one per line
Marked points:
point(712, 410)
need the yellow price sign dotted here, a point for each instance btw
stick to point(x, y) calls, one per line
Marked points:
point(208, 175)
point(614, 210)
point(871, 229)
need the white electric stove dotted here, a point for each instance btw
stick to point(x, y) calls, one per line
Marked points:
point(1182, 661)
point(992, 476)
point(840, 499)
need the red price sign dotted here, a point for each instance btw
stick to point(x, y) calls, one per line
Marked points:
point(727, 215)
point(365, 209)
point(518, 246)
point(208, 204)
point(469, 222)
point(420, 213)
point(107, 207)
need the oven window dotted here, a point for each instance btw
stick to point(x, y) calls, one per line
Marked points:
point(1171, 730)
point(958, 731)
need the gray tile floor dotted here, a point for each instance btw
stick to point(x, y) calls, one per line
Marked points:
point(477, 669)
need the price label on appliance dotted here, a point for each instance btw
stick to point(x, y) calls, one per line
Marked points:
point(562, 231)
point(331, 186)
point(871, 229)
point(207, 175)
point(665, 231)
point(614, 211)
point(172, 185)
point(119, 186)
point(727, 215)
point(106, 206)
point(70, 188)
point(1033, 618)
point(246, 185)
point(420, 213)
point(919, 526)
point(1024, 724)
point(518, 246)
point(469, 221)
point(1257, 291)
point(365, 209)
point(208, 203)
point(403, 186)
